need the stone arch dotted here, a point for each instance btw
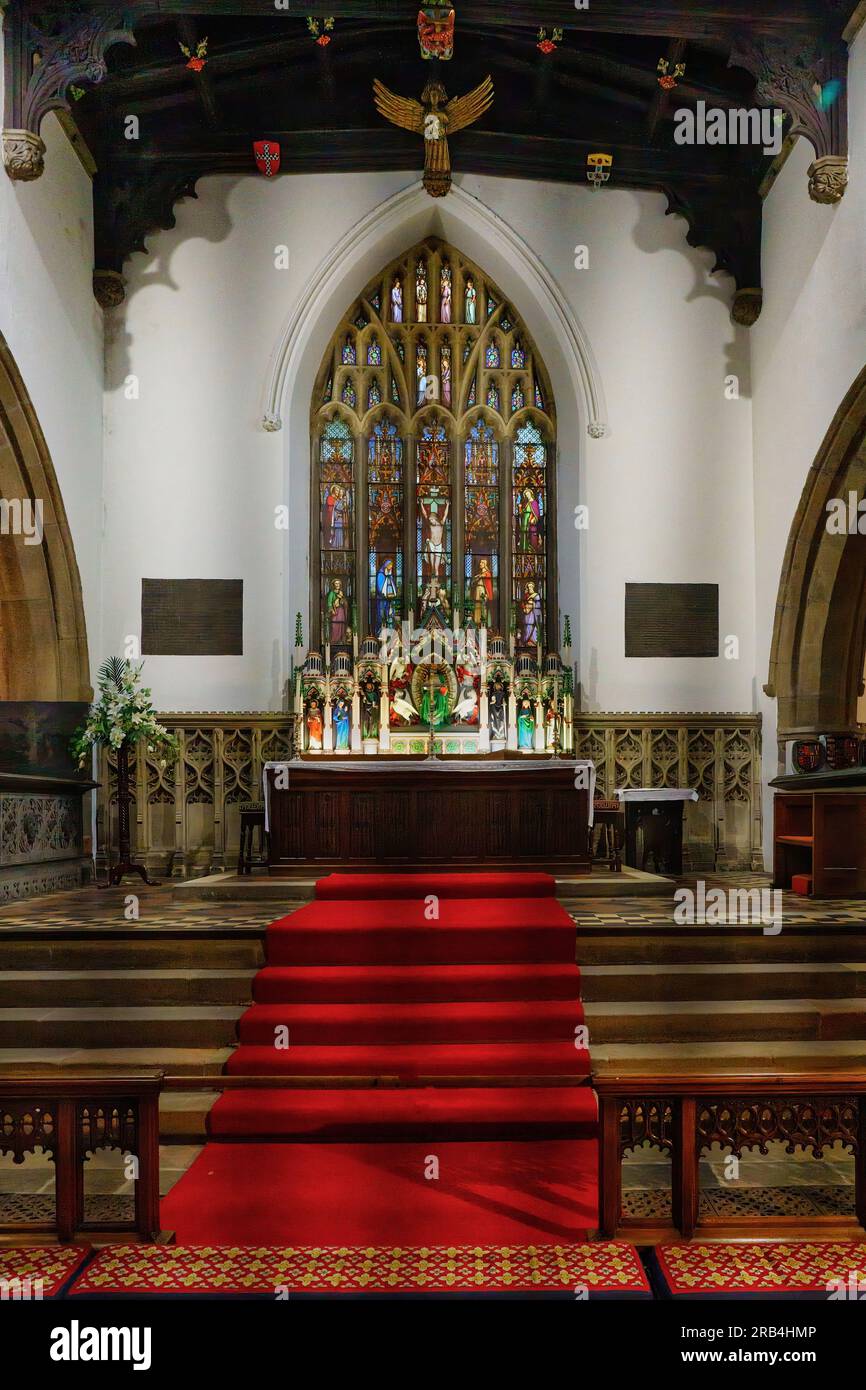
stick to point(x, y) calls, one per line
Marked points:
point(819, 634)
point(43, 643)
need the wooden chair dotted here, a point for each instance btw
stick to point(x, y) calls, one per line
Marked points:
point(252, 819)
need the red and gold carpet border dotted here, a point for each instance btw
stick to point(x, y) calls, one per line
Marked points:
point(164, 1269)
point(37, 1271)
point(729, 1267)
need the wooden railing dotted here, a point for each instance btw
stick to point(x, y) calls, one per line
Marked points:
point(69, 1118)
point(684, 1115)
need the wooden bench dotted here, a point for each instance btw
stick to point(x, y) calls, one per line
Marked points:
point(685, 1114)
point(70, 1116)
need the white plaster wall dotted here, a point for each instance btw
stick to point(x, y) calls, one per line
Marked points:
point(53, 326)
point(807, 349)
point(192, 480)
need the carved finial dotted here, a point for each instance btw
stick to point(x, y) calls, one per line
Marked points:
point(272, 422)
point(747, 307)
point(109, 288)
point(23, 155)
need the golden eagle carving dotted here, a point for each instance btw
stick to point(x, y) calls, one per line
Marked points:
point(434, 117)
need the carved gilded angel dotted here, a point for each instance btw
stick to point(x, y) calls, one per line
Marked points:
point(434, 117)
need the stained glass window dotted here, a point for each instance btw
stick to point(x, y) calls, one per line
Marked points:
point(385, 526)
point(433, 525)
point(529, 535)
point(469, 350)
point(337, 531)
point(481, 526)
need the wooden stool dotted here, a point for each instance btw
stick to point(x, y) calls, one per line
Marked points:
point(252, 818)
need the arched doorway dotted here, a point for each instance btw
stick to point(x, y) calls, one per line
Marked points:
point(819, 635)
point(43, 644)
point(433, 444)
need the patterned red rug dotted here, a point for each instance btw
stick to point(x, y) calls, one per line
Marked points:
point(29, 1272)
point(573, 1271)
point(820, 1269)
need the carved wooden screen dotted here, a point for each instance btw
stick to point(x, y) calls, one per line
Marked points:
point(434, 448)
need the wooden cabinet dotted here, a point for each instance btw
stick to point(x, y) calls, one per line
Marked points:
point(821, 833)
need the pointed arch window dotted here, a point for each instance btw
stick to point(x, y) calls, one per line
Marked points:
point(435, 436)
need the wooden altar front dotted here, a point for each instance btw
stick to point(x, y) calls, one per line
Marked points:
point(413, 814)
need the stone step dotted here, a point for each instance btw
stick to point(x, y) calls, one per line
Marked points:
point(183, 1115)
point(651, 1021)
point(654, 946)
point(102, 950)
point(99, 988)
point(623, 983)
point(166, 1026)
point(174, 1061)
point(686, 1021)
point(768, 1057)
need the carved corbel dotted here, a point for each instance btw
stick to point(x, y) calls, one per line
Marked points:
point(727, 220)
point(41, 65)
point(128, 205)
point(810, 84)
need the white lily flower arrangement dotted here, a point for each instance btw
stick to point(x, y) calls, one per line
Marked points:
point(122, 713)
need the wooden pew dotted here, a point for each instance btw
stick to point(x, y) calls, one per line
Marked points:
point(71, 1116)
point(683, 1114)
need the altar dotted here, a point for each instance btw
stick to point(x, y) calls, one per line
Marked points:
point(412, 813)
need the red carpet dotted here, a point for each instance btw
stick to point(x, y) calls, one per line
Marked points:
point(492, 1193)
point(460, 1015)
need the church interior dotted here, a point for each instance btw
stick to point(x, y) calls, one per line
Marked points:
point(432, 647)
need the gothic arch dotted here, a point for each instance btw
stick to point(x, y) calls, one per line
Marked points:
point(819, 634)
point(43, 644)
point(433, 429)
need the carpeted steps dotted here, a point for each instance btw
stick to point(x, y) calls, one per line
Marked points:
point(336, 887)
point(413, 984)
point(467, 931)
point(434, 1114)
point(413, 1062)
point(483, 996)
point(361, 1025)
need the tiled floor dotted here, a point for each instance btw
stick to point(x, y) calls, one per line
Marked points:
point(92, 907)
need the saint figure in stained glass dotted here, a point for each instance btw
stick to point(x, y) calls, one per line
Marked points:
point(374, 352)
point(481, 594)
point(445, 370)
point(529, 615)
point(397, 300)
point(374, 394)
point(421, 369)
point(386, 595)
point(348, 354)
point(335, 509)
point(493, 396)
point(518, 399)
point(518, 354)
point(529, 519)
point(445, 293)
point(421, 291)
point(337, 613)
point(491, 354)
point(434, 515)
point(471, 297)
point(347, 395)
